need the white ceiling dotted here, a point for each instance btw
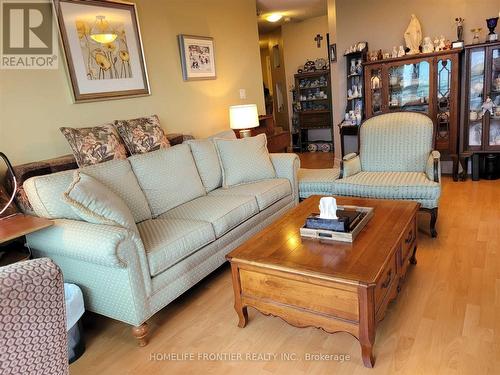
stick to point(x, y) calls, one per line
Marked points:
point(297, 10)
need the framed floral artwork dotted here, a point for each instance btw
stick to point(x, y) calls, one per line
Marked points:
point(197, 57)
point(103, 49)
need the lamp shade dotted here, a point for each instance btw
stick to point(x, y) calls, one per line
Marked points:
point(243, 116)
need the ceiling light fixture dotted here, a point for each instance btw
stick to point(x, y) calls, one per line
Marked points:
point(274, 17)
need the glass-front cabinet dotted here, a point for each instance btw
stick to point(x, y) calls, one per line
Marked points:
point(425, 83)
point(481, 118)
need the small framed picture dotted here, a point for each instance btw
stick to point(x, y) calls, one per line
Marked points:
point(197, 57)
point(103, 49)
point(333, 52)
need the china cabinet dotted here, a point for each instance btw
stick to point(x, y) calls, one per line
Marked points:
point(355, 103)
point(480, 125)
point(312, 107)
point(428, 83)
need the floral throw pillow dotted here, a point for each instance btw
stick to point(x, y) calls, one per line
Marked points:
point(95, 145)
point(142, 135)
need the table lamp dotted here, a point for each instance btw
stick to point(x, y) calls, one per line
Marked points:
point(243, 118)
point(11, 171)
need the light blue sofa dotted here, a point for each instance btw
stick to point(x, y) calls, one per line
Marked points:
point(186, 229)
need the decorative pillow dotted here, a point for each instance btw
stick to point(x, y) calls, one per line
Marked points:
point(142, 135)
point(95, 145)
point(244, 160)
point(207, 160)
point(95, 203)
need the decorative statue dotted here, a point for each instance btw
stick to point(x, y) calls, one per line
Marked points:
point(375, 82)
point(394, 53)
point(413, 35)
point(460, 28)
point(328, 208)
point(401, 51)
point(427, 46)
point(442, 44)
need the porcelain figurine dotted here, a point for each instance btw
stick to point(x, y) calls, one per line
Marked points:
point(355, 92)
point(442, 44)
point(475, 34)
point(375, 82)
point(413, 35)
point(380, 56)
point(346, 117)
point(394, 52)
point(353, 67)
point(359, 67)
point(427, 46)
point(401, 51)
point(358, 118)
point(349, 93)
point(488, 106)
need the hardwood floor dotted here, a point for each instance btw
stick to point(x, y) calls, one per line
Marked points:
point(313, 160)
point(445, 321)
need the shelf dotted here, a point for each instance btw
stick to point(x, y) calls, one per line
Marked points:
point(354, 75)
point(357, 97)
point(313, 100)
point(314, 112)
point(312, 87)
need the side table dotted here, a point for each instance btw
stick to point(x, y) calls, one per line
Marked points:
point(12, 240)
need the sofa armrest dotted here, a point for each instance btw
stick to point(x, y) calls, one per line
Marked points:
point(350, 165)
point(287, 166)
point(92, 243)
point(433, 167)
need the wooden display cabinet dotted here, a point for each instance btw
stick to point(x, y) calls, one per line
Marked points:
point(480, 131)
point(313, 105)
point(427, 83)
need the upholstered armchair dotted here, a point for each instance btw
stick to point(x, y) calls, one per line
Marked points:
point(396, 161)
point(32, 319)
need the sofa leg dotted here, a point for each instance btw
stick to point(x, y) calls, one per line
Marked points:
point(434, 215)
point(141, 334)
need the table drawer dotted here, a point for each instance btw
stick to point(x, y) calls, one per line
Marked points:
point(335, 300)
point(408, 241)
point(385, 281)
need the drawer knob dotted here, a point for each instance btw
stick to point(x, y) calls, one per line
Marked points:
point(387, 281)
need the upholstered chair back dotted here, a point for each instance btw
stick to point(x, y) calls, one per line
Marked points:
point(396, 142)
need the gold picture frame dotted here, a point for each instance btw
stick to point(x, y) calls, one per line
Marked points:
point(103, 49)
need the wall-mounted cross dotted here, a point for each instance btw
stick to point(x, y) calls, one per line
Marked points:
point(318, 40)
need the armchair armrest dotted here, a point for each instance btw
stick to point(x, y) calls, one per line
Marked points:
point(350, 165)
point(287, 166)
point(433, 167)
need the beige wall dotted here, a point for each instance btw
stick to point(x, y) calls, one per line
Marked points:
point(34, 104)
point(299, 46)
point(382, 24)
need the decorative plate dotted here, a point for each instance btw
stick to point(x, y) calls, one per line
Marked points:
point(312, 147)
point(320, 63)
point(309, 66)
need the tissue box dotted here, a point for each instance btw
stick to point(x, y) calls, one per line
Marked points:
point(347, 219)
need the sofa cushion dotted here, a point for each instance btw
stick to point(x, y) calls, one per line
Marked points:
point(142, 135)
point(45, 194)
point(118, 176)
point(207, 160)
point(398, 142)
point(317, 181)
point(244, 160)
point(266, 192)
point(388, 185)
point(224, 213)
point(168, 241)
point(168, 177)
point(97, 204)
point(95, 145)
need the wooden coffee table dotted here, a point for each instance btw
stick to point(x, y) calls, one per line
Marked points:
point(330, 285)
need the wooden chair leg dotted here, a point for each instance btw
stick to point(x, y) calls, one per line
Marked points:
point(434, 215)
point(141, 333)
